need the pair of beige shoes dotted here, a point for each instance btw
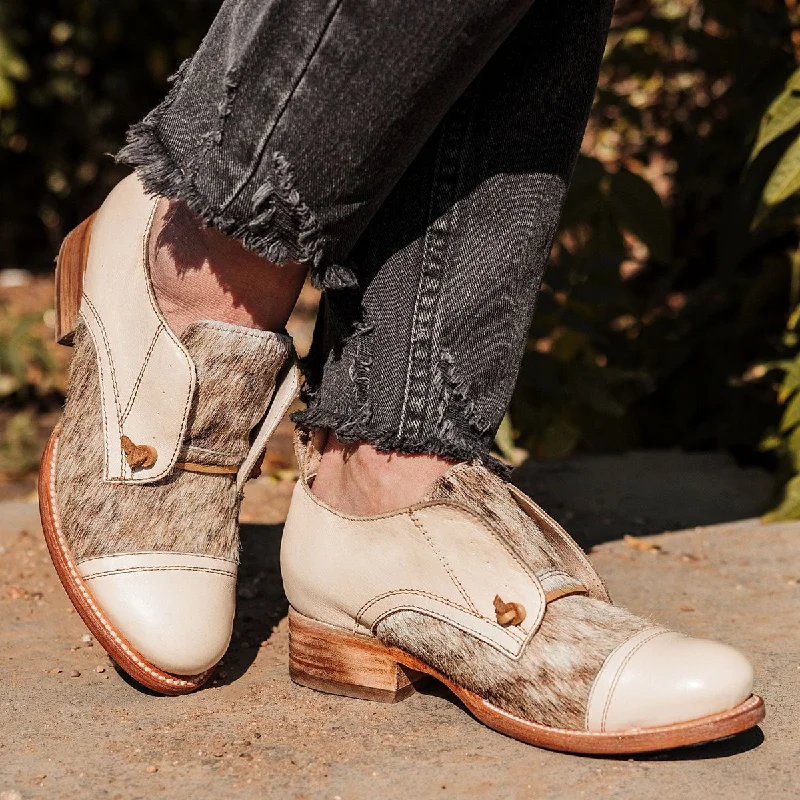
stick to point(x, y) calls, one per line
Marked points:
point(475, 585)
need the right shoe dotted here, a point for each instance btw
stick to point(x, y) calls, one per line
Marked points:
point(140, 484)
point(478, 588)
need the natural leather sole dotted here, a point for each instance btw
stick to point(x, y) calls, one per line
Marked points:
point(70, 267)
point(333, 660)
point(90, 612)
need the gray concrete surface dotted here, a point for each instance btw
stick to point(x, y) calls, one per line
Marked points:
point(253, 734)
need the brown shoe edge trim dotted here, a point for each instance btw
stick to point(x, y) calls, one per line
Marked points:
point(336, 661)
point(90, 612)
point(70, 267)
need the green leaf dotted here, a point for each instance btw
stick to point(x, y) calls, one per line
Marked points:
point(782, 115)
point(639, 210)
point(504, 438)
point(791, 416)
point(791, 382)
point(789, 507)
point(785, 178)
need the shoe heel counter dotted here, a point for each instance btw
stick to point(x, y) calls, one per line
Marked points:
point(70, 267)
point(298, 549)
point(318, 567)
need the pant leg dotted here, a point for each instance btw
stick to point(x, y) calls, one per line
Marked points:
point(424, 357)
point(294, 120)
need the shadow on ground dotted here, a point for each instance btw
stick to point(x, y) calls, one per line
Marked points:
point(260, 601)
point(599, 498)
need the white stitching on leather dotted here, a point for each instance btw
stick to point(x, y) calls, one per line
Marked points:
point(618, 674)
point(106, 433)
point(656, 631)
point(421, 528)
point(510, 632)
point(155, 673)
point(127, 570)
point(158, 553)
point(477, 634)
point(145, 263)
point(137, 382)
point(421, 592)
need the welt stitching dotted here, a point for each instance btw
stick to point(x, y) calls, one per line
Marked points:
point(421, 528)
point(139, 377)
point(282, 110)
point(618, 674)
point(446, 179)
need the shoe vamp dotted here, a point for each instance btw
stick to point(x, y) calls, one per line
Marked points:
point(549, 683)
point(473, 486)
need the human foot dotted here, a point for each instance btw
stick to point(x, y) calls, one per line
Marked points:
point(140, 484)
point(358, 479)
point(479, 588)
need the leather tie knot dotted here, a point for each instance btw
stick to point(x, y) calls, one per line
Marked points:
point(138, 456)
point(508, 613)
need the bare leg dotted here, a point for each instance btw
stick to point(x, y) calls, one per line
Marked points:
point(358, 479)
point(199, 273)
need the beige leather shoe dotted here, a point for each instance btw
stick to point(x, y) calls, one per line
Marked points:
point(477, 587)
point(140, 484)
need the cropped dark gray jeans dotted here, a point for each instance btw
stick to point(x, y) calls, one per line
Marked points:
point(415, 155)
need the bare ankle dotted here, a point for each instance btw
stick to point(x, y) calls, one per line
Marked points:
point(359, 479)
point(199, 273)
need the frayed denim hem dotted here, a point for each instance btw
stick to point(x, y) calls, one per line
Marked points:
point(349, 431)
point(281, 227)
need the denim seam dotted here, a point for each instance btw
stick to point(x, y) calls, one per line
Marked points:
point(262, 146)
point(280, 227)
point(443, 190)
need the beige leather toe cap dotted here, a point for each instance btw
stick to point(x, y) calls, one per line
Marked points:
point(176, 610)
point(660, 678)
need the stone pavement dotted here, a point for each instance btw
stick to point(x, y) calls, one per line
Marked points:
point(73, 727)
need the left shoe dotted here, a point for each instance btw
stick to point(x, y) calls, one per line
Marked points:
point(478, 588)
point(140, 484)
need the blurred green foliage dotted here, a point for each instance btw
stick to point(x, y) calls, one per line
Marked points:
point(19, 445)
point(670, 287)
point(663, 318)
point(26, 366)
point(73, 75)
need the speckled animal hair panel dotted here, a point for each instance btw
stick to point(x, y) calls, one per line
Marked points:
point(487, 494)
point(236, 372)
point(550, 683)
point(185, 512)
